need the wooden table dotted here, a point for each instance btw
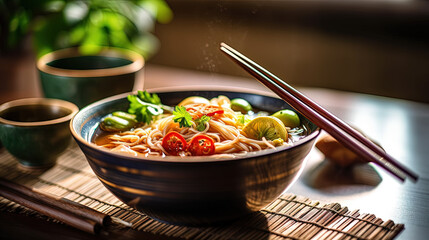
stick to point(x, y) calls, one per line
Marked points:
point(401, 127)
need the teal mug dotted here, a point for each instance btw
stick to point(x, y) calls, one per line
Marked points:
point(36, 130)
point(82, 79)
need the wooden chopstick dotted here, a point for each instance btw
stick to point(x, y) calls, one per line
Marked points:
point(61, 203)
point(64, 210)
point(50, 211)
point(321, 117)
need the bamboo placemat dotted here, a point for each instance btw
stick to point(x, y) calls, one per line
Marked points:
point(288, 217)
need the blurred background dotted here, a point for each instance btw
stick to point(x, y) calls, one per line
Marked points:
point(373, 47)
point(376, 47)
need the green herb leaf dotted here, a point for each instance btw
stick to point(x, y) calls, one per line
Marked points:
point(145, 106)
point(201, 122)
point(182, 117)
point(150, 98)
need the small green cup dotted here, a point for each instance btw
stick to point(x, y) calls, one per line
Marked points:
point(82, 79)
point(36, 130)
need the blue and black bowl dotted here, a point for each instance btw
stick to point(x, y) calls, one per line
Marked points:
point(195, 190)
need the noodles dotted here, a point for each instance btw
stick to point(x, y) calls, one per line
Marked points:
point(223, 128)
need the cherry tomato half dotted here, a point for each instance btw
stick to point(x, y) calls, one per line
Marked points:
point(201, 145)
point(174, 143)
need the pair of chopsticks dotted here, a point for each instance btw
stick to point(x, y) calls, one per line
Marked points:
point(62, 209)
point(337, 128)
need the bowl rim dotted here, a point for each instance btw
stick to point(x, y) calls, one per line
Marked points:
point(178, 159)
point(41, 102)
point(137, 62)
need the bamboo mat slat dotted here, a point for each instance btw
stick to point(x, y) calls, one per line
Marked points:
point(288, 217)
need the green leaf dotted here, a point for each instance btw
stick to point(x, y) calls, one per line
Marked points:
point(59, 24)
point(77, 35)
point(182, 117)
point(201, 122)
point(159, 9)
point(150, 98)
point(145, 105)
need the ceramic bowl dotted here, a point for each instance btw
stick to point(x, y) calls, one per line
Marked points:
point(197, 191)
point(36, 130)
point(82, 79)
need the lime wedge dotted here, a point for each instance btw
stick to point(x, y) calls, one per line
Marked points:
point(266, 126)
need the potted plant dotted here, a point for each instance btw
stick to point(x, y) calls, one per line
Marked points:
point(31, 28)
point(57, 24)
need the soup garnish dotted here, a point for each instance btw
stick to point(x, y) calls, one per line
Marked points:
point(195, 127)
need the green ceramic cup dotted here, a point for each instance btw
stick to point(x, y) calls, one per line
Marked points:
point(82, 79)
point(36, 130)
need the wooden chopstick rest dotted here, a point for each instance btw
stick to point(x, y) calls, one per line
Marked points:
point(337, 153)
